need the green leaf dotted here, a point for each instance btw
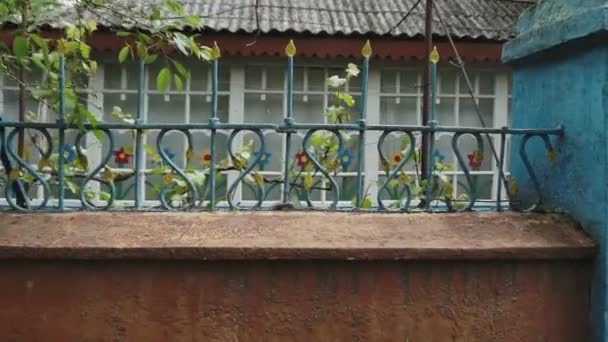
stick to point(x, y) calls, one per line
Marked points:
point(179, 84)
point(180, 69)
point(124, 53)
point(194, 21)
point(85, 50)
point(150, 58)
point(20, 47)
point(318, 139)
point(346, 98)
point(163, 80)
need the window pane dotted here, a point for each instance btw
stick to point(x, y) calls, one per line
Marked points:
point(486, 83)
point(298, 78)
point(127, 102)
point(398, 110)
point(388, 81)
point(308, 108)
point(275, 78)
point(199, 77)
point(447, 81)
point(468, 116)
point(264, 108)
point(316, 79)
point(409, 81)
point(392, 149)
point(166, 109)
point(253, 77)
point(200, 108)
point(446, 110)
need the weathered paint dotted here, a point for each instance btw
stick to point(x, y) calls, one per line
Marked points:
point(560, 76)
point(293, 276)
point(475, 301)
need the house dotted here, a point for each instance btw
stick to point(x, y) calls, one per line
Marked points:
point(328, 34)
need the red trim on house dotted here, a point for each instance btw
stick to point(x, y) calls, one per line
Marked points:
point(234, 44)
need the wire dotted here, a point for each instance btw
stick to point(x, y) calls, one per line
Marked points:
point(404, 17)
point(460, 64)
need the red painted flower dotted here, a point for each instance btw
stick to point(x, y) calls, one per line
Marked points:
point(396, 158)
point(121, 157)
point(301, 159)
point(475, 159)
point(205, 158)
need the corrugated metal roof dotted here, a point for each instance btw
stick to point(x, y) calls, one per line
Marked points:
point(477, 19)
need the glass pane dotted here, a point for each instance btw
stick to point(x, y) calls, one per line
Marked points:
point(199, 77)
point(127, 102)
point(264, 108)
point(447, 81)
point(388, 81)
point(446, 109)
point(9, 108)
point(275, 78)
point(468, 116)
point(316, 79)
point(308, 108)
point(253, 77)
point(398, 110)
point(298, 78)
point(486, 83)
point(409, 83)
point(272, 192)
point(166, 109)
point(200, 108)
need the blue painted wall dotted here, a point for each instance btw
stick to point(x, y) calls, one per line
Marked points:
point(560, 63)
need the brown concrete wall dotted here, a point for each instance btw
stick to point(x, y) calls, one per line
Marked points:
point(314, 300)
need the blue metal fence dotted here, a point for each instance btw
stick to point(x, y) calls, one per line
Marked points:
point(187, 188)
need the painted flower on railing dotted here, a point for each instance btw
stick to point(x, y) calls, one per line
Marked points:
point(475, 159)
point(206, 158)
point(265, 157)
point(438, 157)
point(301, 159)
point(68, 153)
point(396, 158)
point(121, 156)
point(345, 158)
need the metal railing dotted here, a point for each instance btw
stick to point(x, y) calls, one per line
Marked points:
point(189, 188)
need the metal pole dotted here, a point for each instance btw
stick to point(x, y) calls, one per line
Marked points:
point(428, 33)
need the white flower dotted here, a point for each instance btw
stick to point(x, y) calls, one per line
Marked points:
point(336, 82)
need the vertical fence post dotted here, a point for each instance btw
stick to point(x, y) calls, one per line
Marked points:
point(139, 157)
point(290, 51)
point(501, 160)
point(433, 58)
point(61, 122)
point(213, 122)
point(366, 52)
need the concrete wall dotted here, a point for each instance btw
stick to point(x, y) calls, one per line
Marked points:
point(560, 77)
point(292, 276)
point(294, 301)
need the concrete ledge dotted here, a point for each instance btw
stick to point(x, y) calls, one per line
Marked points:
point(291, 236)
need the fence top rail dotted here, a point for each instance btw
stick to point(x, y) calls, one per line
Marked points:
point(284, 127)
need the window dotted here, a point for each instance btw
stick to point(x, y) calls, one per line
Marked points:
point(265, 89)
point(192, 105)
point(255, 93)
point(401, 103)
